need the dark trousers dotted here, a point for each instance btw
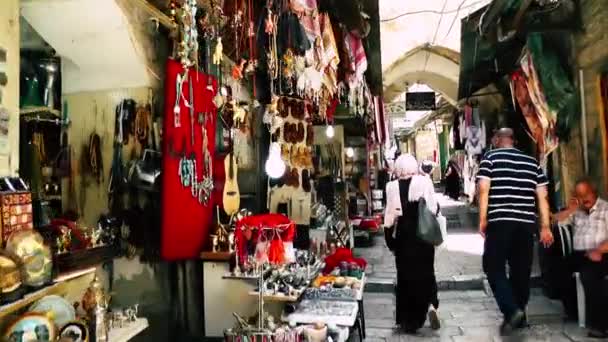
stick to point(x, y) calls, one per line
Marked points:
point(593, 276)
point(509, 243)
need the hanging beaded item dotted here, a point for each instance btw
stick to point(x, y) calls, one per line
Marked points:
point(206, 186)
point(187, 49)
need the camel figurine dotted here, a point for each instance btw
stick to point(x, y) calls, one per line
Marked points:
point(218, 53)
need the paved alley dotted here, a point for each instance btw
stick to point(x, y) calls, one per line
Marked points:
point(457, 262)
point(472, 316)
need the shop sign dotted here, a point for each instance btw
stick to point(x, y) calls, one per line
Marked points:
point(420, 101)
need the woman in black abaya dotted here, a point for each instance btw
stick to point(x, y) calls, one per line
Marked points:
point(416, 294)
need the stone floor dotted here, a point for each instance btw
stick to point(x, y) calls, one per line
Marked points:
point(457, 262)
point(471, 316)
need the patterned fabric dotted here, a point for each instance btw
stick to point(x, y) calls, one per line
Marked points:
point(358, 59)
point(547, 117)
point(528, 109)
point(330, 57)
point(307, 11)
point(590, 229)
point(514, 178)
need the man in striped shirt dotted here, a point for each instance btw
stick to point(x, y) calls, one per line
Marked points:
point(511, 187)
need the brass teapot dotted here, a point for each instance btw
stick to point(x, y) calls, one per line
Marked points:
point(95, 297)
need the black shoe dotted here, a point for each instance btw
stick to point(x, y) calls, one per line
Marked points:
point(524, 323)
point(434, 320)
point(507, 327)
point(594, 333)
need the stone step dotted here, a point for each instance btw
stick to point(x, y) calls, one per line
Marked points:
point(457, 283)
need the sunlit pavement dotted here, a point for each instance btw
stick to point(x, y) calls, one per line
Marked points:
point(472, 316)
point(457, 261)
point(467, 310)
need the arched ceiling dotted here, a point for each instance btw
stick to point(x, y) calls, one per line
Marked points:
point(95, 41)
point(436, 66)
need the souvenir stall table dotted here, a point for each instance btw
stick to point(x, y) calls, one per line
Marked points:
point(287, 282)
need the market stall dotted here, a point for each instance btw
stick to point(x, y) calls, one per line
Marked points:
point(240, 125)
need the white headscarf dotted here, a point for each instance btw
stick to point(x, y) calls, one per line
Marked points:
point(406, 166)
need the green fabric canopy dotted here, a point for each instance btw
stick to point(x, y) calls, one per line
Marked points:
point(556, 84)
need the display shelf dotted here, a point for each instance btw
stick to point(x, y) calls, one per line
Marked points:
point(277, 297)
point(43, 111)
point(59, 285)
point(215, 256)
point(240, 277)
point(68, 262)
point(129, 331)
point(67, 276)
point(350, 311)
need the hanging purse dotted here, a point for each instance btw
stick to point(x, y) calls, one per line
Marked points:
point(389, 237)
point(428, 228)
point(63, 164)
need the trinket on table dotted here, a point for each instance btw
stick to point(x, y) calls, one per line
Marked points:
point(94, 297)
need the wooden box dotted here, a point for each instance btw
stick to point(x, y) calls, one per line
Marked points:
point(15, 211)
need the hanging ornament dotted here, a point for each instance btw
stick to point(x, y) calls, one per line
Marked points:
point(218, 53)
point(269, 23)
point(237, 70)
point(251, 65)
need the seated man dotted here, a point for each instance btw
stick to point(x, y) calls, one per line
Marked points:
point(589, 215)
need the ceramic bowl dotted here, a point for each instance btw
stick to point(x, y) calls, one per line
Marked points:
point(61, 310)
point(314, 334)
point(75, 331)
point(31, 327)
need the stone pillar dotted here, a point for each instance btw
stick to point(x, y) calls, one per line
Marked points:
point(9, 50)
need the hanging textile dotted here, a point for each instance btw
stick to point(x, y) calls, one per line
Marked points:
point(468, 115)
point(548, 117)
point(330, 55)
point(456, 141)
point(185, 219)
point(557, 89)
point(533, 120)
point(307, 11)
point(358, 59)
point(471, 167)
point(291, 35)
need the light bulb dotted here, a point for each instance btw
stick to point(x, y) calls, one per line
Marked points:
point(350, 152)
point(329, 131)
point(275, 166)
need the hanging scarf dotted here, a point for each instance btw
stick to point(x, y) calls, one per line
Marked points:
point(358, 59)
point(95, 157)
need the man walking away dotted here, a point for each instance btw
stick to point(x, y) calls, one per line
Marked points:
point(511, 187)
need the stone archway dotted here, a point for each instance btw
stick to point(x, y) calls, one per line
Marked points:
point(436, 66)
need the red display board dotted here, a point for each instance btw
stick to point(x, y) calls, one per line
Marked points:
point(185, 220)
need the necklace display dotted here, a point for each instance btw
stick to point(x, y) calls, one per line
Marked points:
point(187, 53)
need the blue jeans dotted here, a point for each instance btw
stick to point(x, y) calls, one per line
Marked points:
point(509, 243)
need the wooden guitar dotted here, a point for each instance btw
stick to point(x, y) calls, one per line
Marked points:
point(231, 197)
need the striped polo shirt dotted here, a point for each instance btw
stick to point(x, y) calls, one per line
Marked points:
point(514, 178)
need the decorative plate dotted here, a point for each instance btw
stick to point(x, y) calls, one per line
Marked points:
point(62, 311)
point(75, 331)
point(10, 273)
point(29, 246)
point(31, 327)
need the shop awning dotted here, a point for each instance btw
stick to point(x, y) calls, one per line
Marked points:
point(531, 16)
point(483, 59)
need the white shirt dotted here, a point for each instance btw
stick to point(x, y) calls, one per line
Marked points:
point(590, 230)
point(420, 187)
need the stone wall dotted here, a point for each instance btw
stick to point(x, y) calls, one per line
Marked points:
point(9, 41)
point(591, 55)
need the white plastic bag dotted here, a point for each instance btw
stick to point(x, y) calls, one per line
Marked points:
point(443, 225)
